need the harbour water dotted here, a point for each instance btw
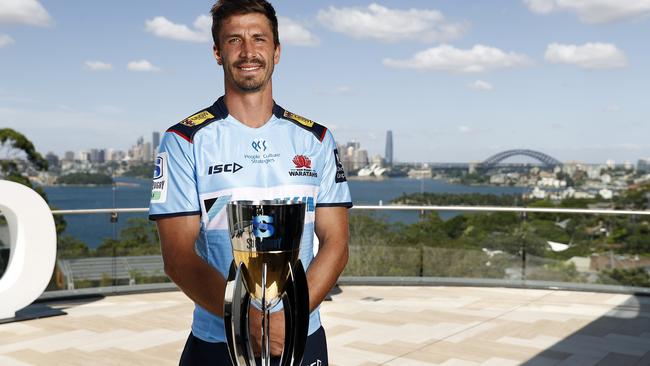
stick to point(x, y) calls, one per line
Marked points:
point(93, 229)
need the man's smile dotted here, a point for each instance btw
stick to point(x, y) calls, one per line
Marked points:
point(250, 67)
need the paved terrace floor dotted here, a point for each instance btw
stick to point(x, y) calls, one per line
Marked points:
point(366, 326)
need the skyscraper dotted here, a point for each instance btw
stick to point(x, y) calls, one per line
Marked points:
point(389, 148)
point(155, 142)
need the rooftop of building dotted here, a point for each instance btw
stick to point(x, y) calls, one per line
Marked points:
point(365, 325)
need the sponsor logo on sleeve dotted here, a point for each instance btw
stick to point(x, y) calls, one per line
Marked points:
point(159, 187)
point(303, 167)
point(300, 119)
point(197, 119)
point(340, 173)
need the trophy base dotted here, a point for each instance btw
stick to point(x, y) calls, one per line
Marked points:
point(295, 300)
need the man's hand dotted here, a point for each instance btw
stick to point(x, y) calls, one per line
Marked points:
point(277, 331)
point(332, 231)
point(198, 280)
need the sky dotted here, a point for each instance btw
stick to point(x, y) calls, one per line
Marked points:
point(456, 81)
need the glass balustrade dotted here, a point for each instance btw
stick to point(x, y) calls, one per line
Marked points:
point(506, 248)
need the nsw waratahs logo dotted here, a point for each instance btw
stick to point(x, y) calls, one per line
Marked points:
point(303, 167)
point(301, 161)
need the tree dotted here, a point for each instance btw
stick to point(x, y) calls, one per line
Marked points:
point(626, 277)
point(69, 247)
point(140, 237)
point(14, 144)
point(18, 154)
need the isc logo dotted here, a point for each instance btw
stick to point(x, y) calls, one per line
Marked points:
point(224, 168)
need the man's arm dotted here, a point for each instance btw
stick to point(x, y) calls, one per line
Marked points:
point(332, 232)
point(198, 280)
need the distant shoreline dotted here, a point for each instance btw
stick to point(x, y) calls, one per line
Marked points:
point(117, 184)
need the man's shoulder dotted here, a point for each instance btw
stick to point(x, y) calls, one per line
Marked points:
point(319, 131)
point(189, 126)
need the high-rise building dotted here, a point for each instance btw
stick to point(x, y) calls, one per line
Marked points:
point(68, 156)
point(83, 155)
point(97, 155)
point(643, 165)
point(155, 141)
point(147, 152)
point(389, 148)
point(52, 159)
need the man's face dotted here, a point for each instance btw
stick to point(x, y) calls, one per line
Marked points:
point(247, 51)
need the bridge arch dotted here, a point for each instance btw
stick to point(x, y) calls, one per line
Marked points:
point(547, 160)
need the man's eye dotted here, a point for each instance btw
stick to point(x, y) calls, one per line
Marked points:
point(233, 40)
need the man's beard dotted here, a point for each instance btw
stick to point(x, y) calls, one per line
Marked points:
point(251, 84)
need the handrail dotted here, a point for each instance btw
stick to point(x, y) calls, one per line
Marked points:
point(407, 208)
point(99, 211)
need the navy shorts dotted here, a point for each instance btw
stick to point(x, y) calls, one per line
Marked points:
point(198, 352)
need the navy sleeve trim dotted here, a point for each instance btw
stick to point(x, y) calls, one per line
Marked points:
point(162, 216)
point(340, 204)
point(319, 131)
point(188, 127)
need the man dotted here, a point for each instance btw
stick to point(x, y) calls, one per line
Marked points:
point(246, 147)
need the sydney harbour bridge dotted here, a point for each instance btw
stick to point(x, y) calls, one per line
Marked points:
point(546, 160)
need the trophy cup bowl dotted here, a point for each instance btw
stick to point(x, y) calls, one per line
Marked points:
point(266, 270)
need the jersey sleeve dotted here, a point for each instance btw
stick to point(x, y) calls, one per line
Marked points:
point(174, 191)
point(333, 191)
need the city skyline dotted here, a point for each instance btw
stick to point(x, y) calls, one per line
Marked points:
point(454, 82)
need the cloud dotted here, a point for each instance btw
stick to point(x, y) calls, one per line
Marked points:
point(481, 85)
point(291, 32)
point(142, 66)
point(589, 55)
point(593, 11)
point(448, 58)
point(612, 108)
point(109, 109)
point(465, 129)
point(343, 89)
point(294, 33)
point(97, 66)
point(338, 90)
point(164, 28)
point(389, 25)
point(29, 12)
point(5, 40)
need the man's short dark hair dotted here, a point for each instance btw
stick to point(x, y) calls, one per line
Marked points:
point(226, 8)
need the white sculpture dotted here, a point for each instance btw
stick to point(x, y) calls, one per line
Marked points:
point(32, 247)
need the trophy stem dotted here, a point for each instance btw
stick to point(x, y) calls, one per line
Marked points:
point(266, 314)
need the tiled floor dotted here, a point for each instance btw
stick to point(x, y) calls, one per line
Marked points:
point(365, 326)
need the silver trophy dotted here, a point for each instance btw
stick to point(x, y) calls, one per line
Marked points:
point(265, 271)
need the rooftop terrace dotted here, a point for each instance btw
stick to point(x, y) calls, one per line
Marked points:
point(378, 325)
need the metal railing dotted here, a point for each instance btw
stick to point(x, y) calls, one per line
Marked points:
point(409, 208)
point(418, 253)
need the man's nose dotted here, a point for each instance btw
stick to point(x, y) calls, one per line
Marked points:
point(246, 49)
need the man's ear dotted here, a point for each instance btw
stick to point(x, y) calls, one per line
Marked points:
point(276, 57)
point(217, 54)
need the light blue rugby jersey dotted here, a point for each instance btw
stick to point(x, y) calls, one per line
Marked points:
point(210, 158)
